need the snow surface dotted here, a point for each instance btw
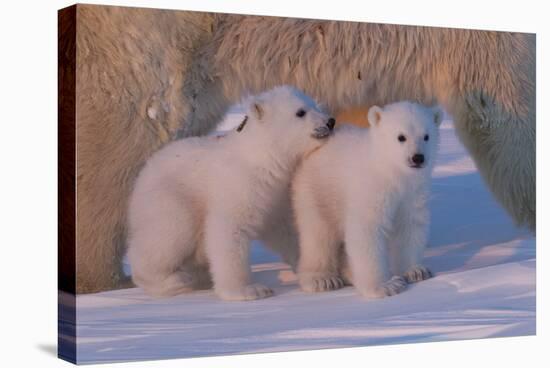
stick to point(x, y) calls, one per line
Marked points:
point(484, 286)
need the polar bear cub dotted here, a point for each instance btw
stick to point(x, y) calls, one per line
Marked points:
point(198, 202)
point(368, 189)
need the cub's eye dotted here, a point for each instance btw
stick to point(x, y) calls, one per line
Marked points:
point(301, 113)
point(401, 138)
point(426, 137)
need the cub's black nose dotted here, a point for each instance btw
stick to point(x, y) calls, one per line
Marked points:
point(331, 123)
point(418, 159)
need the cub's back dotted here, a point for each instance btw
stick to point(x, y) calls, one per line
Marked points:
point(180, 164)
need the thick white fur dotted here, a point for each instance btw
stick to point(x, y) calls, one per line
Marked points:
point(360, 190)
point(199, 201)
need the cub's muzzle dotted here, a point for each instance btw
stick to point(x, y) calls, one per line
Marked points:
point(417, 161)
point(324, 131)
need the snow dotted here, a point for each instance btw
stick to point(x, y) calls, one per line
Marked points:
point(484, 286)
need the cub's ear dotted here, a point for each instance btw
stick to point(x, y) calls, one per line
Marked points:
point(438, 115)
point(257, 110)
point(374, 115)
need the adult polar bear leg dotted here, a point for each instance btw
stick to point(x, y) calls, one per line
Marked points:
point(131, 65)
point(503, 147)
point(492, 102)
point(227, 248)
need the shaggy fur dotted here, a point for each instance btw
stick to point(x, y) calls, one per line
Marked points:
point(486, 80)
point(130, 69)
point(143, 74)
point(368, 190)
point(200, 201)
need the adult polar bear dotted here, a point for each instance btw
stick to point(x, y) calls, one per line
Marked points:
point(143, 74)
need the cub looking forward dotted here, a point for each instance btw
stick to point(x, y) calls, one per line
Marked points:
point(368, 189)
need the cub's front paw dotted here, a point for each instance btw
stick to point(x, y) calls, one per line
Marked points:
point(417, 273)
point(249, 292)
point(317, 283)
point(393, 286)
